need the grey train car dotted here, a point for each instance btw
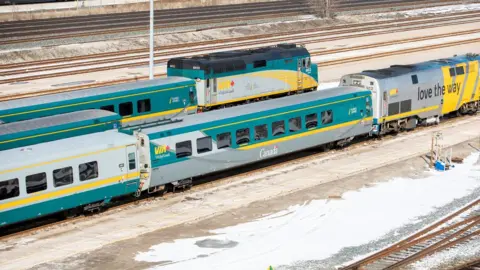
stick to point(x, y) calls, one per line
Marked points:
point(407, 95)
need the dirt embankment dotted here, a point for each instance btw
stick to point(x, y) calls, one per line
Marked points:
point(43, 53)
point(84, 10)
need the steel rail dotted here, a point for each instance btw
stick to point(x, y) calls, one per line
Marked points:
point(346, 29)
point(321, 64)
point(403, 243)
point(164, 60)
point(202, 184)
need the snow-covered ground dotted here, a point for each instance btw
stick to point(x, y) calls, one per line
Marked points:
point(432, 10)
point(319, 229)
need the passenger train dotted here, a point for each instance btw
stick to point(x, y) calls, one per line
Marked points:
point(197, 83)
point(87, 171)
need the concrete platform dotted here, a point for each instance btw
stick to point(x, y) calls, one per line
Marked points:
point(98, 231)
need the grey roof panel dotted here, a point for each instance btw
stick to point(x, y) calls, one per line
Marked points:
point(73, 146)
point(254, 108)
point(49, 121)
point(18, 103)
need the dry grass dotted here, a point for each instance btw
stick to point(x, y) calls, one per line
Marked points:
point(84, 10)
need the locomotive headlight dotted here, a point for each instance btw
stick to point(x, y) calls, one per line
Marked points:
point(197, 79)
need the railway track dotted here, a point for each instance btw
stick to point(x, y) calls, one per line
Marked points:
point(166, 54)
point(108, 61)
point(112, 24)
point(216, 179)
point(454, 230)
point(314, 53)
point(355, 5)
point(74, 27)
point(322, 64)
point(141, 54)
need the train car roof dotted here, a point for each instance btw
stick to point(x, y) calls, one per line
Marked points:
point(247, 56)
point(56, 120)
point(399, 70)
point(278, 103)
point(143, 85)
point(80, 145)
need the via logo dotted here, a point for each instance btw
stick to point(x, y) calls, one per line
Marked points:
point(161, 149)
point(265, 153)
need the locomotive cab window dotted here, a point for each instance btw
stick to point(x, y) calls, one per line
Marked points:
point(88, 171)
point(311, 121)
point(110, 108)
point(294, 124)
point(452, 72)
point(327, 117)
point(261, 132)
point(224, 140)
point(243, 136)
point(126, 108)
point(9, 189)
point(309, 62)
point(143, 105)
point(259, 63)
point(460, 70)
point(62, 177)
point(131, 161)
point(204, 145)
point(36, 182)
point(278, 128)
point(414, 79)
point(184, 149)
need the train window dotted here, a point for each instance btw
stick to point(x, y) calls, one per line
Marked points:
point(414, 79)
point(36, 182)
point(259, 63)
point(308, 62)
point(452, 72)
point(204, 145)
point(88, 170)
point(9, 189)
point(243, 136)
point(406, 106)
point(131, 161)
point(143, 105)
point(278, 128)
point(224, 140)
point(311, 121)
point(393, 108)
point(208, 83)
point(460, 70)
point(110, 108)
point(295, 124)
point(184, 149)
point(62, 177)
point(261, 132)
point(327, 117)
point(126, 108)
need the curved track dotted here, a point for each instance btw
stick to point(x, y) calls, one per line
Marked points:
point(454, 230)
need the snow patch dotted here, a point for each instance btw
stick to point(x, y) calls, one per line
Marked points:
point(318, 229)
point(433, 10)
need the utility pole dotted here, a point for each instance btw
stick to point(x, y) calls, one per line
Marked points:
point(151, 40)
